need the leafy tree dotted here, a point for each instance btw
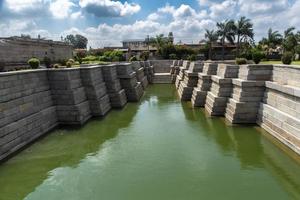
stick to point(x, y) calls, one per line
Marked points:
point(226, 31)
point(244, 32)
point(211, 37)
point(78, 41)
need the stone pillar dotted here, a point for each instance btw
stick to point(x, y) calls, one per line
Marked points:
point(204, 84)
point(190, 81)
point(140, 74)
point(133, 89)
point(69, 96)
point(115, 92)
point(221, 89)
point(95, 90)
point(248, 92)
point(182, 69)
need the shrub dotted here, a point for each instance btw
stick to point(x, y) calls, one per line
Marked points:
point(287, 58)
point(257, 56)
point(133, 58)
point(47, 62)
point(173, 56)
point(56, 66)
point(69, 64)
point(192, 57)
point(104, 59)
point(145, 55)
point(241, 61)
point(62, 62)
point(90, 58)
point(34, 63)
point(71, 61)
point(78, 59)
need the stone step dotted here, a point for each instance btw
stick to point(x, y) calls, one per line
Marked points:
point(165, 78)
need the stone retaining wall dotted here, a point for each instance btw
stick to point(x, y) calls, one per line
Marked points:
point(34, 102)
point(264, 94)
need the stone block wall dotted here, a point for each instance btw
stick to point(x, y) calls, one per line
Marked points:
point(95, 89)
point(221, 89)
point(133, 89)
point(140, 74)
point(116, 94)
point(180, 76)
point(26, 109)
point(190, 80)
point(34, 102)
point(68, 93)
point(19, 51)
point(161, 66)
point(279, 112)
point(248, 91)
point(204, 84)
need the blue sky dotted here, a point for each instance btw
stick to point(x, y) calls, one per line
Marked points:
point(107, 22)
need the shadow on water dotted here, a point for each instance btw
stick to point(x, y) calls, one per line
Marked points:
point(253, 147)
point(64, 147)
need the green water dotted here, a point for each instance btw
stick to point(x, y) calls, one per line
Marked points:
point(158, 149)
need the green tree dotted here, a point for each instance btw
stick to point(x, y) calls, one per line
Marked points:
point(211, 37)
point(78, 41)
point(226, 31)
point(244, 32)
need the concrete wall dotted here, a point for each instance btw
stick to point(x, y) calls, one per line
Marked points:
point(35, 101)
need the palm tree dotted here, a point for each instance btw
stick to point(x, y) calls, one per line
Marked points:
point(211, 37)
point(274, 38)
point(244, 31)
point(289, 32)
point(289, 41)
point(226, 31)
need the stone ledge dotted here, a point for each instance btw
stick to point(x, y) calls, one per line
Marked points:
point(286, 89)
point(246, 83)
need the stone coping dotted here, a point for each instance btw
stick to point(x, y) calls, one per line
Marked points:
point(287, 89)
point(297, 67)
point(259, 66)
point(247, 83)
point(51, 69)
point(220, 80)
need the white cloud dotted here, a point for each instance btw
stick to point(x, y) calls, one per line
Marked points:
point(18, 27)
point(226, 9)
point(76, 15)
point(22, 5)
point(61, 9)
point(109, 8)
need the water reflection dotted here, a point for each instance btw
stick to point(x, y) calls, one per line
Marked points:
point(160, 148)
